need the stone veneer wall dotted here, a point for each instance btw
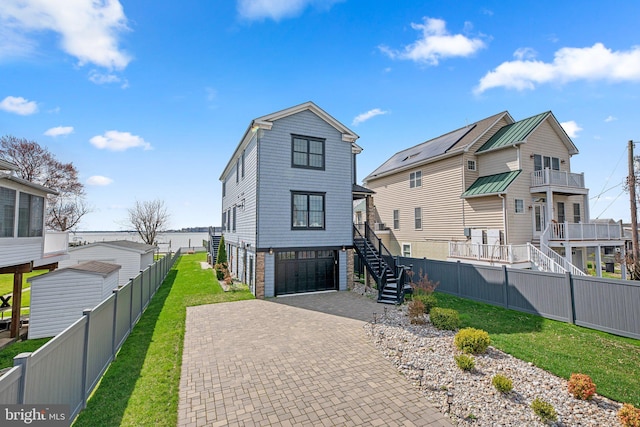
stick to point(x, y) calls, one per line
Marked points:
point(260, 275)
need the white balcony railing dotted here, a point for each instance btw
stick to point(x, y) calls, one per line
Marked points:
point(56, 243)
point(585, 231)
point(557, 178)
point(490, 253)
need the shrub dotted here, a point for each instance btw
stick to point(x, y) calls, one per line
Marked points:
point(470, 340)
point(502, 383)
point(416, 312)
point(581, 386)
point(445, 318)
point(429, 301)
point(544, 410)
point(220, 268)
point(629, 415)
point(465, 362)
point(423, 285)
point(221, 258)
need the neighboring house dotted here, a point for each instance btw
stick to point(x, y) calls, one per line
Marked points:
point(24, 244)
point(133, 257)
point(59, 298)
point(287, 194)
point(494, 191)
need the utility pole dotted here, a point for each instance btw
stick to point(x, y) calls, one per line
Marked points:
point(634, 213)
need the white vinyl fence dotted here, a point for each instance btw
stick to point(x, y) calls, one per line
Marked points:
point(67, 369)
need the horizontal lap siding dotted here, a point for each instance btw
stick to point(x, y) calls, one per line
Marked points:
point(499, 161)
point(614, 307)
point(545, 141)
point(58, 301)
point(15, 251)
point(484, 212)
point(278, 178)
point(245, 189)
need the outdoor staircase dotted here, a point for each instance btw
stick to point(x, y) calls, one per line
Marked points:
point(390, 277)
point(215, 242)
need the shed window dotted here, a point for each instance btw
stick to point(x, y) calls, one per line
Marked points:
point(307, 152)
point(30, 215)
point(7, 211)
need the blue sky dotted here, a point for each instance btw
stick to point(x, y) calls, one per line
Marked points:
point(149, 98)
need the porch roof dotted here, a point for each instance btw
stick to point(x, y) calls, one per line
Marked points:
point(491, 184)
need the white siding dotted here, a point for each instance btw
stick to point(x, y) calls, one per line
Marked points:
point(15, 251)
point(58, 300)
point(132, 262)
point(499, 161)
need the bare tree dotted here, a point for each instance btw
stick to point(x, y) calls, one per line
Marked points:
point(38, 165)
point(149, 218)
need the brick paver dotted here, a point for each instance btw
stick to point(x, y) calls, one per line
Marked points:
point(262, 363)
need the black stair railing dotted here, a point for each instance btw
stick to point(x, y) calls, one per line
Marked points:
point(374, 250)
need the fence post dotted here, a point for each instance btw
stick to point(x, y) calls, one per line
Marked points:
point(131, 307)
point(458, 278)
point(571, 311)
point(141, 291)
point(505, 287)
point(22, 360)
point(114, 340)
point(85, 356)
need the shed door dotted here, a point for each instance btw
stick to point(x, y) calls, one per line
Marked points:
point(305, 271)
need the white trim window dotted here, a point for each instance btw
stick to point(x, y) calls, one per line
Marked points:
point(471, 165)
point(406, 250)
point(415, 179)
point(417, 219)
point(396, 219)
point(519, 206)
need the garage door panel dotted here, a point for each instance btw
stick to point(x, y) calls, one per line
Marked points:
point(305, 271)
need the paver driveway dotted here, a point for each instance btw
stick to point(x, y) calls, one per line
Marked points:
point(263, 363)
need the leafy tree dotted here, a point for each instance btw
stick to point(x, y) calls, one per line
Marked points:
point(149, 218)
point(38, 165)
point(222, 252)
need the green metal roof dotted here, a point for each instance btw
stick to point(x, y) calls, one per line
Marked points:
point(492, 184)
point(515, 132)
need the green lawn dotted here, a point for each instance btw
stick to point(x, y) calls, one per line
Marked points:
point(141, 386)
point(560, 348)
point(6, 281)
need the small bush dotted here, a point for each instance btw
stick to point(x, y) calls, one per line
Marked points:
point(470, 340)
point(423, 285)
point(416, 312)
point(429, 301)
point(544, 410)
point(220, 268)
point(581, 386)
point(445, 318)
point(629, 415)
point(465, 362)
point(502, 383)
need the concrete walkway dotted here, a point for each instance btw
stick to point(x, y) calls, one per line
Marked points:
point(272, 364)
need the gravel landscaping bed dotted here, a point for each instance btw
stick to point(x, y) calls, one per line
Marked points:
point(424, 355)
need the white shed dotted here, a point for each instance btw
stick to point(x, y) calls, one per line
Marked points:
point(58, 298)
point(132, 256)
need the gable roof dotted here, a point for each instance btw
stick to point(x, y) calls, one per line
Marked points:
point(141, 248)
point(450, 143)
point(491, 184)
point(266, 122)
point(99, 268)
point(519, 131)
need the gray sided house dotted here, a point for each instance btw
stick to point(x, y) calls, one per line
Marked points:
point(287, 203)
point(133, 257)
point(59, 298)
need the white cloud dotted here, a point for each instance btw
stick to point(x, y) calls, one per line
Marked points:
point(571, 128)
point(360, 118)
point(278, 9)
point(569, 64)
point(89, 30)
point(114, 140)
point(18, 105)
point(59, 131)
point(99, 180)
point(610, 119)
point(436, 43)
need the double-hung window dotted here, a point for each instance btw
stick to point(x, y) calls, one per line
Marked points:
point(576, 213)
point(561, 214)
point(519, 206)
point(418, 218)
point(30, 215)
point(415, 179)
point(396, 219)
point(307, 211)
point(307, 152)
point(7, 211)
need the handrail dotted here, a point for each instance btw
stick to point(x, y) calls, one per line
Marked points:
point(543, 261)
point(561, 260)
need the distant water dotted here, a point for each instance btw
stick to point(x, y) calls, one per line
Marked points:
point(166, 241)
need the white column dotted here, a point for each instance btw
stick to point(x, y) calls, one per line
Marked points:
point(598, 262)
point(549, 215)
